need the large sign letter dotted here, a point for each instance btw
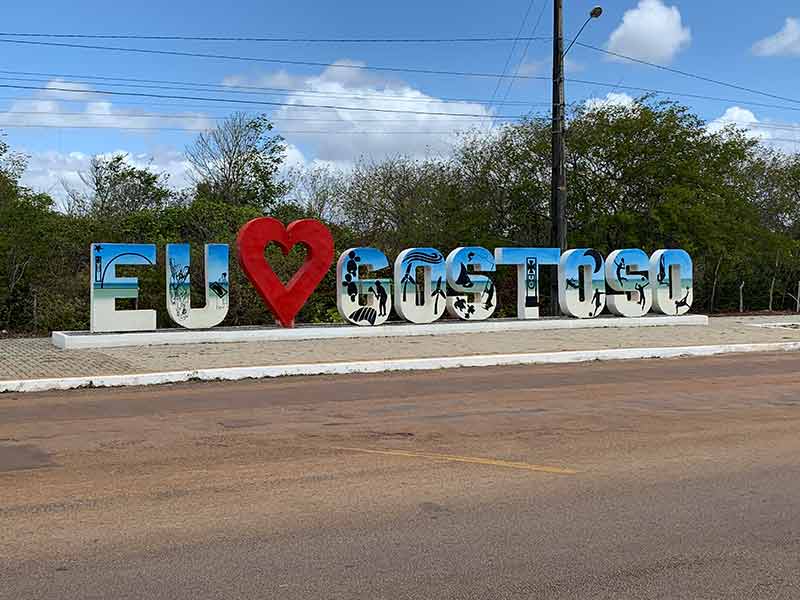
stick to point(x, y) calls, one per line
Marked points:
point(581, 283)
point(179, 290)
point(105, 287)
point(480, 301)
point(672, 281)
point(628, 279)
point(363, 302)
point(420, 301)
point(527, 261)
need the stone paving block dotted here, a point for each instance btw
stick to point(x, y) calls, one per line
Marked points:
point(34, 358)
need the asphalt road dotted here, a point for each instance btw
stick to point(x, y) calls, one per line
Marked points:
point(642, 479)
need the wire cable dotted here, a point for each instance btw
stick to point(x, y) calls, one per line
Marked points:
point(651, 90)
point(524, 53)
point(688, 74)
point(258, 102)
point(268, 91)
point(304, 40)
point(511, 52)
point(201, 116)
point(304, 63)
point(195, 129)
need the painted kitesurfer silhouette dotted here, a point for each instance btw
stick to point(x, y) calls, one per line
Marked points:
point(381, 295)
point(437, 293)
point(596, 257)
point(573, 283)
point(352, 288)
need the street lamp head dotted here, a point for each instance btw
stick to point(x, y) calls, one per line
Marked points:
point(596, 12)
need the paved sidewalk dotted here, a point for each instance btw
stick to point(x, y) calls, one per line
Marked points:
point(24, 359)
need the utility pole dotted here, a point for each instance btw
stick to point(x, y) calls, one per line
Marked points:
point(558, 182)
point(558, 190)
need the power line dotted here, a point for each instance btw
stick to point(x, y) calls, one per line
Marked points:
point(524, 53)
point(688, 74)
point(280, 131)
point(776, 125)
point(177, 105)
point(234, 104)
point(258, 102)
point(755, 126)
point(745, 124)
point(220, 38)
point(192, 129)
point(268, 60)
point(786, 140)
point(454, 100)
point(268, 91)
point(394, 69)
point(200, 116)
point(652, 90)
point(511, 51)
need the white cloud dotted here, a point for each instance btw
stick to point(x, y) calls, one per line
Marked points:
point(314, 136)
point(294, 159)
point(339, 136)
point(48, 108)
point(610, 99)
point(652, 31)
point(51, 171)
point(57, 89)
point(785, 136)
point(784, 43)
point(279, 79)
point(741, 118)
point(544, 67)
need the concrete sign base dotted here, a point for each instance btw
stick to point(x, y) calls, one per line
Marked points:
point(71, 340)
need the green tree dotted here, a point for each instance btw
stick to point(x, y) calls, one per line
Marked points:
point(116, 188)
point(238, 162)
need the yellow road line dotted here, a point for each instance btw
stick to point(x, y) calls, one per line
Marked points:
point(466, 459)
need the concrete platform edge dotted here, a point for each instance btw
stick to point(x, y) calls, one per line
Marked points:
point(379, 366)
point(67, 340)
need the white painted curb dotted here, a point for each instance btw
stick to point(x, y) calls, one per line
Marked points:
point(379, 366)
point(75, 340)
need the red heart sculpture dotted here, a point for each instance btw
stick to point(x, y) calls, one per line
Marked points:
point(284, 301)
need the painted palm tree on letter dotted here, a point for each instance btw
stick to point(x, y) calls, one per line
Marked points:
point(407, 278)
point(437, 293)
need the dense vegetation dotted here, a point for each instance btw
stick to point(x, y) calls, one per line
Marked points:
point(649, 176)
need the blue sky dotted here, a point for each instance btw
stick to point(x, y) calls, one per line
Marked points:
point(730, 41)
